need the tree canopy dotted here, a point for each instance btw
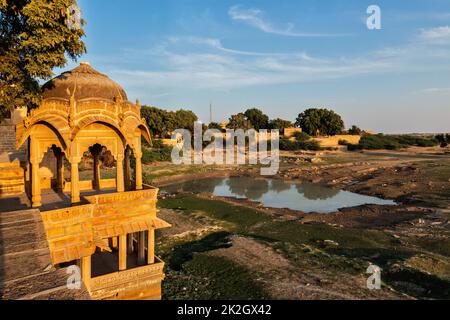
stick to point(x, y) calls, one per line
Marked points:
point(320, 122)
point(280, 124)
point(354, 130)
point(162, 122)
point(215, 125)
point(239, 121)
point(257, 118)
point(35, 37)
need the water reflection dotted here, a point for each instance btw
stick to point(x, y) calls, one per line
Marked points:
point(306, 197)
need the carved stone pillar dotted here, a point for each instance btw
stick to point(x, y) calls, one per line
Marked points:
point(114, 243)
point(151, 247)
point(127, 169)
point(86, 271)
point(97, 177)
point(36, 199)
point(119, 174)
point(130, 243)
point(141, 248)
point(74, 179)
point(96, 150)
point(59, 170)
point(122, 253)
point(139, 183)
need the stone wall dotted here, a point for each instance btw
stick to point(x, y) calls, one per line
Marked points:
point(8, 152)
point(333, 142)
point(7, 137)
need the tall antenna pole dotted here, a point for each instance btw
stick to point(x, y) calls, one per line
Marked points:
point(210, 113)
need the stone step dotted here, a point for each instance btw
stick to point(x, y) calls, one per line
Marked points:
point(14, 164)
point(45, 286)
point(11, 173)
point(24, 263)
point(11, 180)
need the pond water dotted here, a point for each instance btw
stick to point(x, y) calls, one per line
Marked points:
point(306, 197)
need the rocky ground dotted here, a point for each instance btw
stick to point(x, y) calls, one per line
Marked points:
point(221, 248)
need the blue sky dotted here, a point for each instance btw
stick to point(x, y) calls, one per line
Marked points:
point(281, 56)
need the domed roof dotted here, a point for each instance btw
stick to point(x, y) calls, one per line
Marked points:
point(84, 82)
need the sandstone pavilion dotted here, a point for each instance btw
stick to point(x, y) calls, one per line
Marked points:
point(54, 217)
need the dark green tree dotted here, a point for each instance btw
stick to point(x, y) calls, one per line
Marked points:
point(160, 122)
point(35, 37)
point(280, 124)
point(257, 118)
point(320, 122)
point(355, 131)
point(215, 125)
point(185, 119)
point(239, 121)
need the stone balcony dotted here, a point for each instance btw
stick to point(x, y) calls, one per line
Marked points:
point(137, 283)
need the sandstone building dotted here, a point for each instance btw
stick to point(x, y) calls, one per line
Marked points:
point(106, 227)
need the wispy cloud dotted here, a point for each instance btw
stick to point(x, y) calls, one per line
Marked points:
point(215, 67)
point(255, 17)
point(437, 90)
point(438, 35)
point(206, 63)
point(217, 44)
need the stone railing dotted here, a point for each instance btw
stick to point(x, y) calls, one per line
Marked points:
point(140, 282)
point(72, 232)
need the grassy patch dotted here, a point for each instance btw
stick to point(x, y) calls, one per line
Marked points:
point(437, 246)
point(242, 218)
point(211, 278)
point(317, 233)
point(182, 253)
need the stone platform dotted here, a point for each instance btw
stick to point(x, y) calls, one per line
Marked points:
point(26, 270)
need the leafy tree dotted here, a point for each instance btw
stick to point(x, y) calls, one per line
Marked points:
point(320, 122)
point(185, 119)
point(355, 131)
point(160, 122)
point(257, 118)
point(35, 37)
point(443, 139)
point(239, 121)
point(215, 125)
point(280, 124)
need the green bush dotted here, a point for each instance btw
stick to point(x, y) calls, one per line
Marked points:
point(343, 143)
point(289, 145)
point(302, 136)
point(379, 142)
point(382, 142)
point(156, 155)
point(416, 141)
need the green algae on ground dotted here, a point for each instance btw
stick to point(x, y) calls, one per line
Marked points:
point(242, 218)
point(211, 278)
